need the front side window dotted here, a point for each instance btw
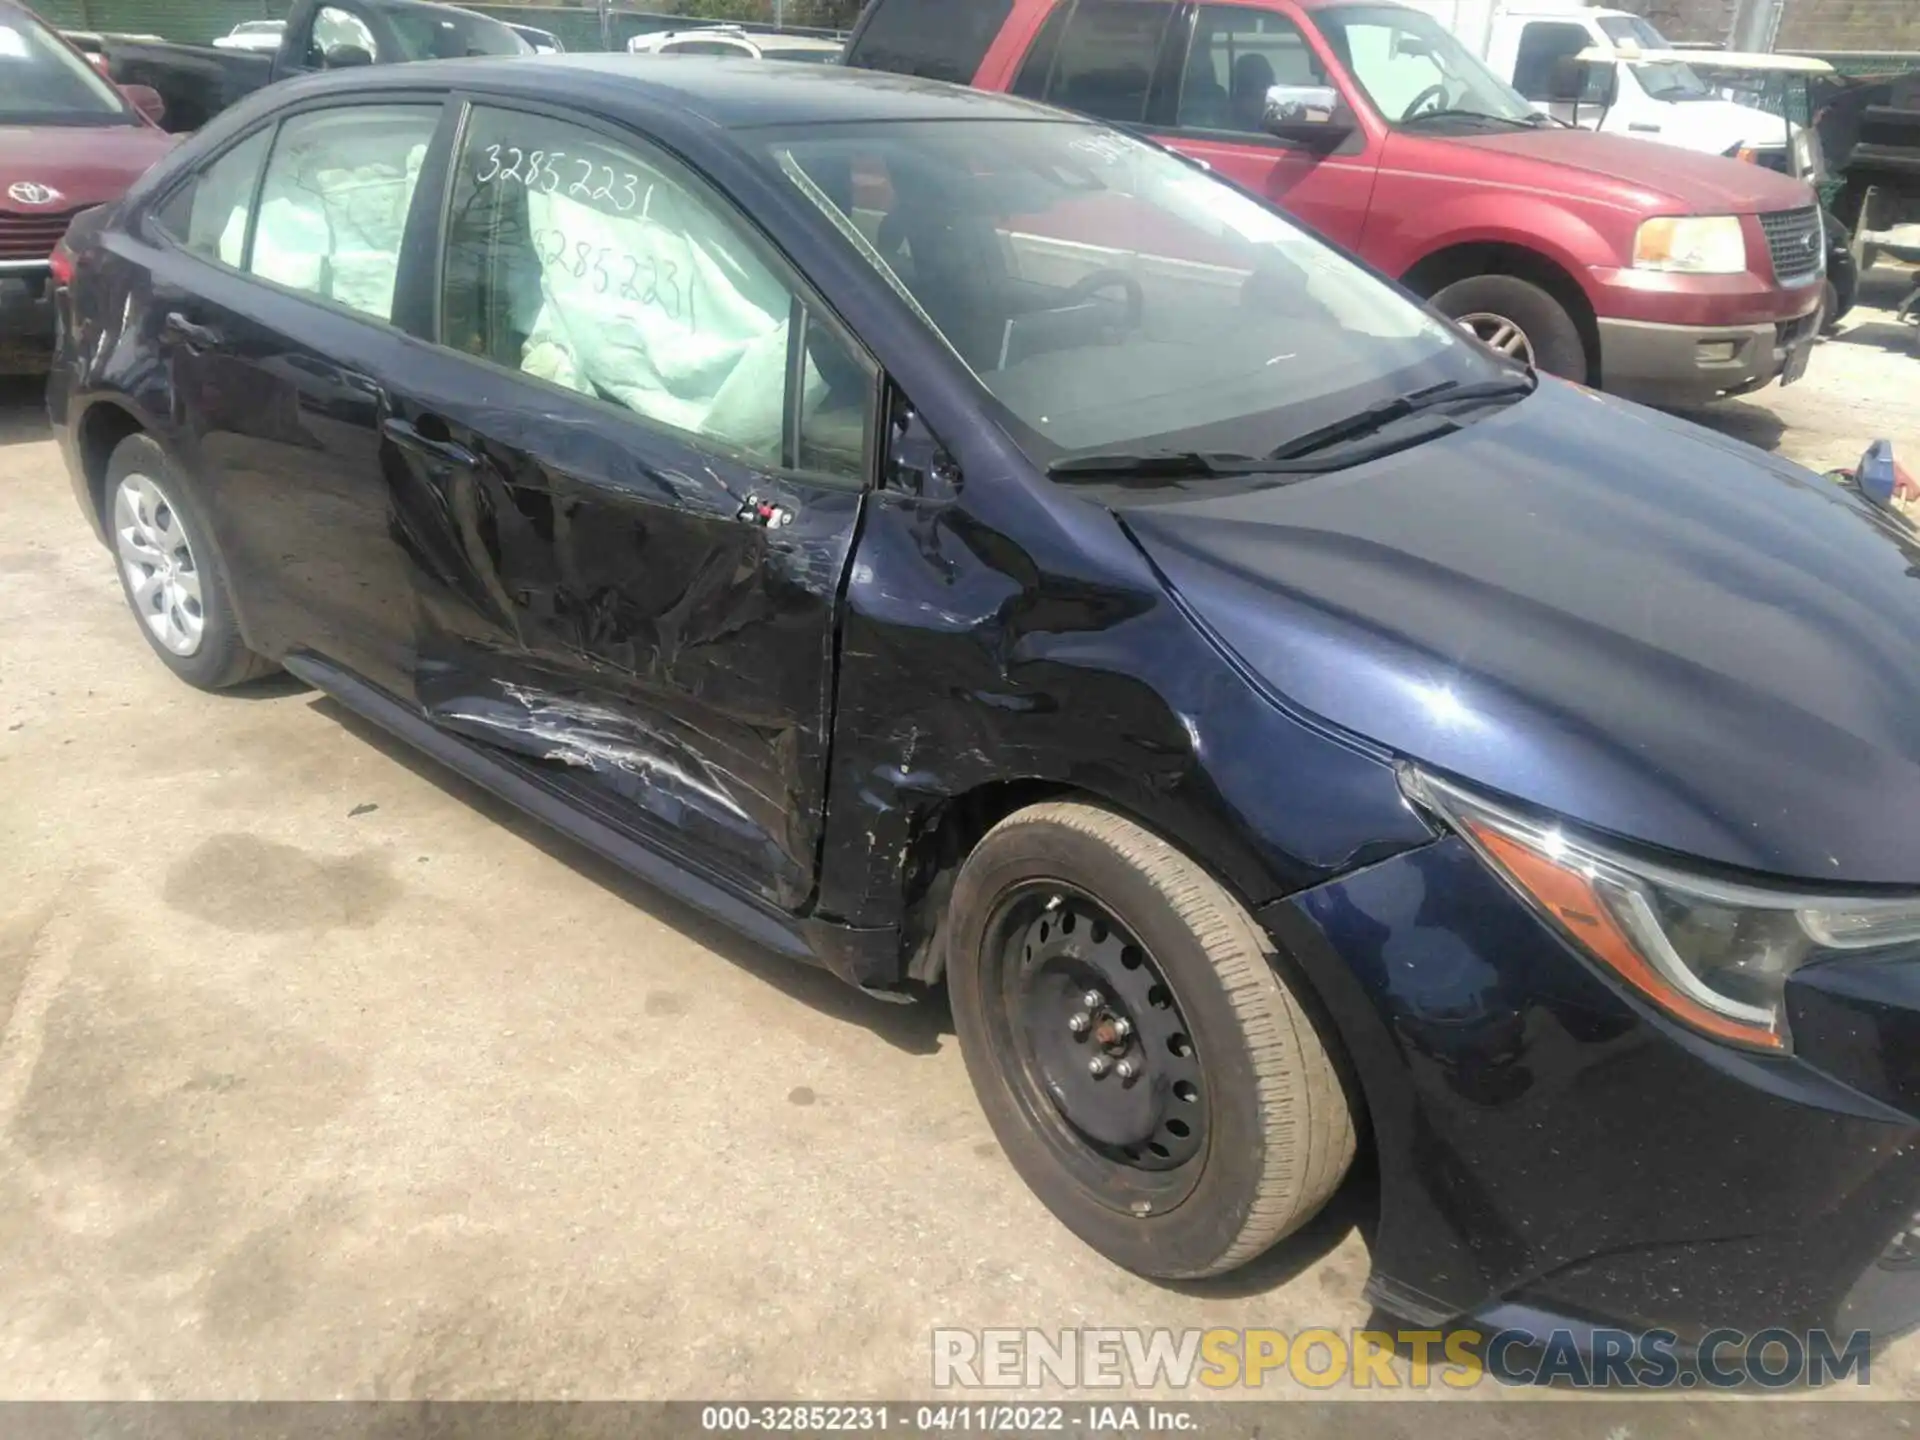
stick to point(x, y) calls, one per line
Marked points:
point(43, 82)
point(1106, 293)
point(334, 203)
point(596, 266)
point(1413, 69)
point(209, 214)
point(1237, 54)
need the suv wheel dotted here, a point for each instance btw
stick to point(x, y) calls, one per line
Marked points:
point(1517, 318)
point(169, 573)
point(1145, 1068)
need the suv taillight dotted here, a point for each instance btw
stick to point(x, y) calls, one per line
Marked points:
point(61, 264)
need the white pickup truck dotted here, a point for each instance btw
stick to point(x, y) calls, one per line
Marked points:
point(1630, 81)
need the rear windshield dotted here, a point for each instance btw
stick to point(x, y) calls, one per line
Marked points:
point(42, 82)
point(437, 34)
point(936, 39)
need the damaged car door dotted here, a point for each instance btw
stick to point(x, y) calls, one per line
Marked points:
point(633, 470)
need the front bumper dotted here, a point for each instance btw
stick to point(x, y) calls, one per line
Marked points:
point(1549, 1147)
point(1689, 364)
point(26, 320)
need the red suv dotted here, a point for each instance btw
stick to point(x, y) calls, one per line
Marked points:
point(1646, 270)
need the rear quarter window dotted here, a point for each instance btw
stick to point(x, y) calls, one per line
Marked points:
point(935, 39)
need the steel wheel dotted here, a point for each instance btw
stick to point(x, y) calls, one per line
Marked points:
point(1105, 1060)
point(1499, 333)
point(163, 578)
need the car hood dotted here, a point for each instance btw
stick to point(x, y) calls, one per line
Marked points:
point(1714, 127)
point(1692, 183)
point(86, 164)
point(1615, 616)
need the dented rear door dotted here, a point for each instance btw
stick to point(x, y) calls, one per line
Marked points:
point(632, 476)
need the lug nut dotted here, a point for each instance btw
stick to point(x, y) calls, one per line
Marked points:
point(1126, 1070)
point(1078, 1024)
point(1097, 1066)
point(1093, 999)
point(1122, 1027)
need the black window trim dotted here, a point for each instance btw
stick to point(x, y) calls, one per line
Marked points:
point(158, 235)
point(677, 166)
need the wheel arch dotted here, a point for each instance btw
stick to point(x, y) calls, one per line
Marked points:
point(101, 428)
point(103, 425)
point(1433, 272)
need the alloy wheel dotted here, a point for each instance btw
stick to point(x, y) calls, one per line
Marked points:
point(1499, 333)
point(163, 577)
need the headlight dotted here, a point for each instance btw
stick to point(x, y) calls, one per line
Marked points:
point(1693, 244)
point(1713, 955)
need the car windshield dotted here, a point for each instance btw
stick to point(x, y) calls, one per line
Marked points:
point(43, 82)
point(1665, 79)
point(1110, 295)
point(437, 33)
point(1414, 70)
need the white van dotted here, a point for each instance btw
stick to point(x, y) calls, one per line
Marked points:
point(1634, 82)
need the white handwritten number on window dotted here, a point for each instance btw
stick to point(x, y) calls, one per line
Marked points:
point(645, 281)
point(545, 171)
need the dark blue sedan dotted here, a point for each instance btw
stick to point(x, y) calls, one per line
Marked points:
point(960, 544)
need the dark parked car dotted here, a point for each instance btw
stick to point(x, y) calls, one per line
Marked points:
point(197, 82)
point(1282, 723)
point(68, 139)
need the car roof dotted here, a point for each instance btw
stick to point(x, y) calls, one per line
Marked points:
point(725, 92)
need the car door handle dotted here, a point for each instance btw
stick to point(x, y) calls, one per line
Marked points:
point(408, 437)
point(178, 328)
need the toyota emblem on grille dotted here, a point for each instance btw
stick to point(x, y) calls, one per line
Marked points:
point(29, 192)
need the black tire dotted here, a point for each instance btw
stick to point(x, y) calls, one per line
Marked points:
point(1551, 334)
point(220, 659)
point(1276, 1135)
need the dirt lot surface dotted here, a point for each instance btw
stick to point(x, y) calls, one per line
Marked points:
point(324, 1075)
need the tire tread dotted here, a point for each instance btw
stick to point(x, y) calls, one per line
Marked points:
point(1309, 1153)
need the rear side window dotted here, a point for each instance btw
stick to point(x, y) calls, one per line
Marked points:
point(1104, 60)
point(936, 39)
point(1543, 44)
point(703, 47)
point(333, 205)
point(209, 214)
point(594, 266)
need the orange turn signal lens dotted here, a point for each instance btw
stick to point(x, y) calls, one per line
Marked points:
point(1570, 898)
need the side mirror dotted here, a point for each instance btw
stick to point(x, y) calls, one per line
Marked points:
point(146, 100)
point(1573, 81)
point(1305, 112)
point(345, 57)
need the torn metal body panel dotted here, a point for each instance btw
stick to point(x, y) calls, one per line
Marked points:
point(584, 601)
point(971, 658)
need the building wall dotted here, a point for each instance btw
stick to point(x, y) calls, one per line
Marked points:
point(1690, 19)
point(1877, 25)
